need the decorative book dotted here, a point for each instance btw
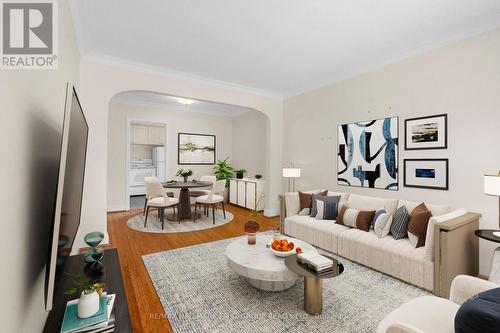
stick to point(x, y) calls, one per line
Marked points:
point(71, 322)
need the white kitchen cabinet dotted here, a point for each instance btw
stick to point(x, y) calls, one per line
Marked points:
point(246, 192)
point(147, 135)
point(139, 134)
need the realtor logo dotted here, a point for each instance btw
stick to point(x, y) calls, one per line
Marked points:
point(29, 35)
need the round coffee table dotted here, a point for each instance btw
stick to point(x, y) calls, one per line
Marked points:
point(313, 282)
point(184, 209)
point(259, 265)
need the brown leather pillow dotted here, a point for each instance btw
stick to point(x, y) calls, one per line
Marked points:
point(305, 199)
point(419, 219)
point(364, 220)
point(340, 215)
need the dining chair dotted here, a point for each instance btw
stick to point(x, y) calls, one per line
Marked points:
point(198, 193)
point(147, 196)
point(212, 199)
point(158, 199)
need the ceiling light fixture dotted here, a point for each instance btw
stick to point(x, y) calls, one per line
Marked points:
point(185, 101)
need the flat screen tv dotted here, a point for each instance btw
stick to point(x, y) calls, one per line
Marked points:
point(68, 201)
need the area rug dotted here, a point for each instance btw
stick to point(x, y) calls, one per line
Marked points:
point(199, 293)
point(154, 224)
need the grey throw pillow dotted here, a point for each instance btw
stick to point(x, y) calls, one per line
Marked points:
point(314, 208)
point(399, 226)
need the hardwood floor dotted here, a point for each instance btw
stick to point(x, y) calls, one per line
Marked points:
point(146, 311)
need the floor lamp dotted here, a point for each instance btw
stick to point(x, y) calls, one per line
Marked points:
point(492, 187)
point(291, 174)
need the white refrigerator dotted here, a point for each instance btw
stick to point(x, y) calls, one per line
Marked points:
point(159, 162)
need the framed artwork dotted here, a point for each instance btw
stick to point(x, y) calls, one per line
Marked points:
point(196, 149)
point(429, 132)
point(367, 154)
point(426, 173)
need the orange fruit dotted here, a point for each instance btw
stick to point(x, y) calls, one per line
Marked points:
point(298, 250)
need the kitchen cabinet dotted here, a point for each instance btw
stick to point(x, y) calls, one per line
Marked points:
point(246, 192)
point(147, 135)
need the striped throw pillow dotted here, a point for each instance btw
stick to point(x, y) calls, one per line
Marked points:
point(399, 225)
point(326, 210)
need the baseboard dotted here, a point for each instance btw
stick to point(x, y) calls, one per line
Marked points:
point(117, 208)
point(271, 212)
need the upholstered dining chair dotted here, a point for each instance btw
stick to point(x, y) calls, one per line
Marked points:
point(158, 199)
point(212, 199)
point(169, 194)
point(199, 193)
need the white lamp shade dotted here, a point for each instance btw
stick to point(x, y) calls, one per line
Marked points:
point(492, 185)
point(291, 172)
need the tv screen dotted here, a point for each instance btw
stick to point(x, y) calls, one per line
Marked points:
point(68, 204)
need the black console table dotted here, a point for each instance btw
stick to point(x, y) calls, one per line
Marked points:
point(114, 285)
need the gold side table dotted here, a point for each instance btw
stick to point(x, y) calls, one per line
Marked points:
point(313, 283)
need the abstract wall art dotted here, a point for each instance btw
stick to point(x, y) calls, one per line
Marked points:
point(426, 173)
point(426, 132)
point(367, 154)
point(196, 149)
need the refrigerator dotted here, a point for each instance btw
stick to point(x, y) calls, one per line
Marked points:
point(159, 162)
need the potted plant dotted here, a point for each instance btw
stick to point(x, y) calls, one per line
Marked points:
point(224, 171)
point(240, 173)
point(184, 173)
point(252, 227)
point(258, 176)
point(88, 303)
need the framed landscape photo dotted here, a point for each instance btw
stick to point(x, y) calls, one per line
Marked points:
point(429, 132)
point(426, 173)
point(196, 149)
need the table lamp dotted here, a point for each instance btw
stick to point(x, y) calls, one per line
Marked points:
point(291, 174)
point(492, 187)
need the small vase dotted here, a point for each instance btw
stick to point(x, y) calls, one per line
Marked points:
point(251, 229)
point(185, 179)
point(88, 304)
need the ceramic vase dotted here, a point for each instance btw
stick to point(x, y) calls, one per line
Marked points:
point(88, 304)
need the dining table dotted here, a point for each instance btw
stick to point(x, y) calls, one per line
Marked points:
point(184, 209)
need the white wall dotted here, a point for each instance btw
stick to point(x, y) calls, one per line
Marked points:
point(101, 80)
point(250, 132)
point(462, 80)
point(30, 122)
point(176, 121)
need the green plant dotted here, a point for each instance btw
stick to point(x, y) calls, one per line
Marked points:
point(82, 284)
point(223, 170)
point(256, 211)
point(184, 173)
point(258, 176)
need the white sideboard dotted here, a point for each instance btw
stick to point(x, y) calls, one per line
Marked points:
point(245, 192)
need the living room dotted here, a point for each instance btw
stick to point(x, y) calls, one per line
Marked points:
point(367, 132)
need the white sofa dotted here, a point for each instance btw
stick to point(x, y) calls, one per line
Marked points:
point(431, 314)
point(397, 258)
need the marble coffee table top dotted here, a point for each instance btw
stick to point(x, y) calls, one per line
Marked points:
point(259, 262)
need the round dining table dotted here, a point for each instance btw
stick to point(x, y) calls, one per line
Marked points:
point(184, 209)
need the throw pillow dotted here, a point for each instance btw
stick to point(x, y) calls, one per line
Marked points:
point(327, 210)
point(305, 199)
point(399, 225)
point(364, 220)
point(480, 313)
point(417, 228)
point(315, 197)
point(377, 214)
point(350, 216)
point(382, 226)
point(340, 215)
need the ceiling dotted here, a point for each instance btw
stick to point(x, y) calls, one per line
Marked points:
point(280, 47)
point(172, 103)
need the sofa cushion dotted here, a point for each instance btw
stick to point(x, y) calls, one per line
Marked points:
point(363, 202)
point(320, 196)
point(377, 214)
point(327, 210)
point(382, 226)
point(436, 210)
point(306, 199)
point(399, 225)
point(340, 216)
point(417, 227)
point(292, 202)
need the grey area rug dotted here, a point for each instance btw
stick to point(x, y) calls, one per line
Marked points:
point(154, 225)
point(199, 293)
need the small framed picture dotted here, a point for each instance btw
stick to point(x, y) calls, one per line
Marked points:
point(429, 132)
point(426, 173)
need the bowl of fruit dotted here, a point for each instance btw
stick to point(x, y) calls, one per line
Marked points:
point(282, 248)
